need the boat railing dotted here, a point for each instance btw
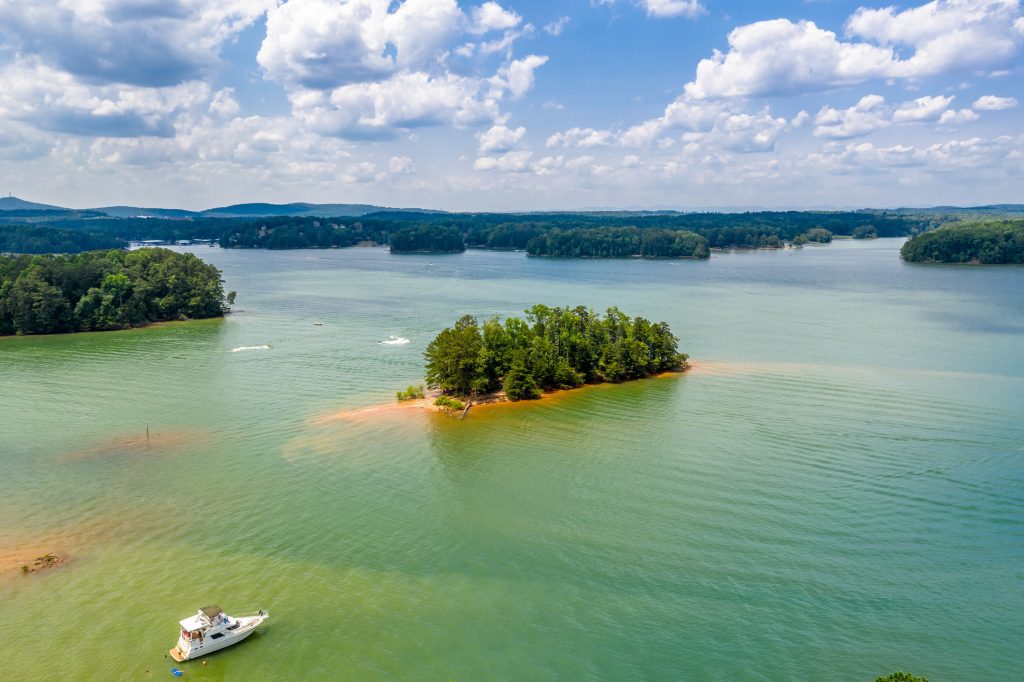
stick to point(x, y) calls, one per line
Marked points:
point(261, 612)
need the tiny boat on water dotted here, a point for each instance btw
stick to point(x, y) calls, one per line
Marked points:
point(212, 630)
point(394, 341)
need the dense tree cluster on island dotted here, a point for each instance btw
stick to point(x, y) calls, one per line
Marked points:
point(105, 290)
point(619, 242)
point(989, 242)
point(552, 348)
point(816, 235)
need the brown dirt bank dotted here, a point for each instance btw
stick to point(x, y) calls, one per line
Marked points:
point(68, 542)
point(12, 558)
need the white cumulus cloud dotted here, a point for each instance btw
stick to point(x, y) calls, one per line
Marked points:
point(328, 43)
point(872, 112)
point(155, 43)
point(555, 28)
point(499, 138)
point(672, 8)
point(491, 16)
point(950, 116)
point(994, 103)
point(581, 137)
point(400, 165)
point(780, 56)
point(518, 75)
point(921, 109)
point(515, 162)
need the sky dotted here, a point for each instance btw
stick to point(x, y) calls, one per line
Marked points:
point(517, 105)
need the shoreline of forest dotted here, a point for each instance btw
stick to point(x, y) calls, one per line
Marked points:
point(140, 327)
point(486, 400)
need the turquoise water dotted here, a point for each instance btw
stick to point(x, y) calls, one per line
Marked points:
point(834, 492)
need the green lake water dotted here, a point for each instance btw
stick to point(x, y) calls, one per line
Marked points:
point(835, 492)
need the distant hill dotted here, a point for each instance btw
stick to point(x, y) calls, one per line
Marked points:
point(16, 204)
point(253, 210)
point(137, 212)
point(993, 209)
point(259, 210)
point(308, 210)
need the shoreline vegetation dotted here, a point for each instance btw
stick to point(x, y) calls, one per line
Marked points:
point(416, 409)
point(575, 235)
point(428, 403)
point(551, 349)
point(106, 290)
point(980, 242)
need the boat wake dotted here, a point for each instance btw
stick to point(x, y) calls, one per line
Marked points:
point(244, 348)
point(394, 341)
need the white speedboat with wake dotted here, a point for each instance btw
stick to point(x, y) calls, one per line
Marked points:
point(212, 630)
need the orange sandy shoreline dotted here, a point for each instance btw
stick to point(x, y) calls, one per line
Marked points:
point(488, 400)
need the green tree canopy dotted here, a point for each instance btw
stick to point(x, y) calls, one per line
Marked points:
point(989, 242)
point(103, 290)
point(454, 358)
point(551, 348)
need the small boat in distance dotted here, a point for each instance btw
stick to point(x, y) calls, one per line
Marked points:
point(394, 341)
point(212, 630)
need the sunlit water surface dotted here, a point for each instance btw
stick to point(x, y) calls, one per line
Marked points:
point(835, 492)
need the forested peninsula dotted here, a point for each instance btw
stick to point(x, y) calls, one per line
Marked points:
point(106, 290)
point(42, 239)
point(987, 242)
point(551, 349)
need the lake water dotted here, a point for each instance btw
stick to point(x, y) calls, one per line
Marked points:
point(835, 492)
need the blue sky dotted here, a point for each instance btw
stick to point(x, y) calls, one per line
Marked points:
point(517, 105)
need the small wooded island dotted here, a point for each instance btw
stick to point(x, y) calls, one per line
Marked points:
point(106, 290)
point(552, 349)
point(986, 242)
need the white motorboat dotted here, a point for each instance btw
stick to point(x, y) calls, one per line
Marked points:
point(212, 630)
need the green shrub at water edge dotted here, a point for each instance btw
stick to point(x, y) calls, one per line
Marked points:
point(450, 403)
point(411, 393)
point(900, 676)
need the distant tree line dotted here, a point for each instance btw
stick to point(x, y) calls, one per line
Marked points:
point(104, 290)
point(285, 232)
point(989, 241)
point(551, 348)
point(613, 233)
point(427, 239)
point(44, 239)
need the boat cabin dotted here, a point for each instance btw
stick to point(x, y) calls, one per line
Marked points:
point(210, 621)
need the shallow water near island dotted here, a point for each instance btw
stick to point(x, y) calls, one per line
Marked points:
point(836, 490)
